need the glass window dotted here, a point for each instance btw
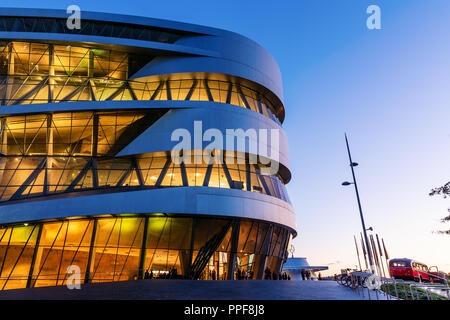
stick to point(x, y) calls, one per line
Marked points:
point(17, 257)
point(116, 251)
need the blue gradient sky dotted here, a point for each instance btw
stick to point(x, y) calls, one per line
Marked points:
point(388, 89)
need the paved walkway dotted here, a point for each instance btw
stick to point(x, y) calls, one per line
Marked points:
point(190, 290)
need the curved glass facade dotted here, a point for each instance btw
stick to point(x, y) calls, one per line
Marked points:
point(44, 73)
point(108, 249)
point(26, 177)
point(68, 170)
point(68, 152)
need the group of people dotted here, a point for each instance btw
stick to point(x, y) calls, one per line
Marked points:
point(172, 274)
point(248, 275)
point(306, 274)
point(244, 275)
point(269, 275)
point(239, 274)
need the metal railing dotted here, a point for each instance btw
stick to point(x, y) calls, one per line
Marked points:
point(376, 288)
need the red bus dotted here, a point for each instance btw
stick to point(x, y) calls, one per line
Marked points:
point(408, 269)
point(438, 276)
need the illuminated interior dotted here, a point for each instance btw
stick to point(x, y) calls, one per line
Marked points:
point(108, 249)
point(54, 152)
point(73, 133)
point(64, 153)
point(25, 177)
point(44, 73)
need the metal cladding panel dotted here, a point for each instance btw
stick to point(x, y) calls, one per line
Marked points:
point(120, 43)
point(170, 65)
point(221, 117)
point(112, 17)
point(190, 201)
point(98, 105)
point(295, 263)
point(238, 57)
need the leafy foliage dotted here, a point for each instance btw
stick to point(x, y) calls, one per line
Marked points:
point(404, 292)
point(444, 191)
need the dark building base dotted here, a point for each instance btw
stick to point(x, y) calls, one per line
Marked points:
point(191, 290)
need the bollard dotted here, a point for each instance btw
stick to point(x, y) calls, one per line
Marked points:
point(395, 288)
point(406, 292)
point(412, 294)
point(388, 289)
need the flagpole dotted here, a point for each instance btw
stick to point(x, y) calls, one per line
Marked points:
point(375, 254)
point(364, 251)
point(386, 257)
point(357, 253)
point(381, 254)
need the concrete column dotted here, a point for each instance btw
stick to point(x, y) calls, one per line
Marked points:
point(36, 259)
point(143, 250)
point(233, 250)
point(4, 147)
point(91, 64)
point(94, 142)
point(262, 263)
point(9, 80)
point(91, 256)
point(51, 73)
point(49, 164)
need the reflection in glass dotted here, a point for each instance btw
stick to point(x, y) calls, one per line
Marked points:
point(44, 73)
point(108, 249)
point(32, 176)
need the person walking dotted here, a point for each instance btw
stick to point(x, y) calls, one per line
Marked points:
point(303, 273)
point(268, 274)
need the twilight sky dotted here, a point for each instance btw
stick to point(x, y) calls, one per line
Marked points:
point(388, 89)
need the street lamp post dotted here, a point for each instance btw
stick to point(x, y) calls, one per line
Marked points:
point(354, 164)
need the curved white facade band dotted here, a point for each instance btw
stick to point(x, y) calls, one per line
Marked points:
point(135, 147)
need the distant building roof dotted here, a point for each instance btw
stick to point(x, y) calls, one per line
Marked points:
point(301, 263)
